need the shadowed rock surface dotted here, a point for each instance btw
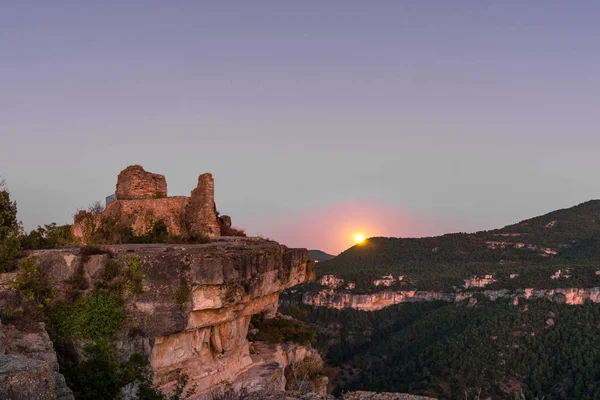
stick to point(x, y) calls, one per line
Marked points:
point(28, 366)
point(360, 395)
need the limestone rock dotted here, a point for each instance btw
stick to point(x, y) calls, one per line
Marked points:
point(228, 281)
point(28, 366)
point(135, 183)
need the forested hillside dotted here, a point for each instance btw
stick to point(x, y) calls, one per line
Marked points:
point(531, 251)
point(539, 349)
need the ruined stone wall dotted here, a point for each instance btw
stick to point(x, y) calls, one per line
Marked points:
point(201, 210)
point(140, 215)
point(141, 201)
point(135, 183)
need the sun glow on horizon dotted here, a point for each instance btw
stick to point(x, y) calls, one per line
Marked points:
point(359, 238)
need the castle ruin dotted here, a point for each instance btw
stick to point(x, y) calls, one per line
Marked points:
point(142, 201)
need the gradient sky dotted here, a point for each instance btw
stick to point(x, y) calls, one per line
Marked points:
point(317, 119)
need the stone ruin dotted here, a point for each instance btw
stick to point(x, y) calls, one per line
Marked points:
point(142, 200)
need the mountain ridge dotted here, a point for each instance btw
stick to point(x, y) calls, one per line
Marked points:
point(525, 254)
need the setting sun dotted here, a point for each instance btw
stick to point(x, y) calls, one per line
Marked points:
point(359, 238)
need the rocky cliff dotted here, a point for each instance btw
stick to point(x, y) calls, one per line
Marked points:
point(359, 395)
point(191, 311)
point(28, 365)
point(338, 299)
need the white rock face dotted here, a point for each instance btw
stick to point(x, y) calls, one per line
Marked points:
point(331, 281)
point(479, 281)
point(377, 301)
point(561, 274)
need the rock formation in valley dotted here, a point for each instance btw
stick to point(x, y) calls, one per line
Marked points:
point(340, 299)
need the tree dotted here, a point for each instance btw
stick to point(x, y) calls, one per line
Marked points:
point(10, 246)
point(9, 225)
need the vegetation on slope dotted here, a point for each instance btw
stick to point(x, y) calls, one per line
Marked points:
point(318, 255)
point(534, 249)
point(539, 349)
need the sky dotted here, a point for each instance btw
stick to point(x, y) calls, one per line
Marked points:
point(317, 119)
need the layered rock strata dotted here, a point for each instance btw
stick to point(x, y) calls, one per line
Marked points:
point(202, 334)
point(376, 301)
point(359, 395)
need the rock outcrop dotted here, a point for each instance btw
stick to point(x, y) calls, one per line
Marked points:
point(28, 365)
point(142, 202)
point(202, 334)
point(376, 301)
point(359, 395)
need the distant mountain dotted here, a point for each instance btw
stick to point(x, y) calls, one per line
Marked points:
point(525, 254)
point(318, 255)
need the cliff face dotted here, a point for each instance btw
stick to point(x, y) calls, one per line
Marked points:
point(376, 301)
point(28, 365)
point(201, 333)
point(359, 395)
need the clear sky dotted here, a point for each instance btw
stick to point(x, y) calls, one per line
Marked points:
point(317, 118)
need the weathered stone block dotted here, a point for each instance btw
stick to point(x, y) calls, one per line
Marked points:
point(135, 183)
point(201, 210)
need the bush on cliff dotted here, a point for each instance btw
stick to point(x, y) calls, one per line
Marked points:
point(281, 330)
point(33, 282)
point(9, 225)
point(48, 236)
point(10, 247)
point(96, 316)
point(301, 374)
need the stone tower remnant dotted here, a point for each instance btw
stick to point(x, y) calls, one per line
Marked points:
point(135, 183)
point(201, 209)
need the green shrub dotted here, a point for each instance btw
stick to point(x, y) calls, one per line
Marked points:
point(301, 374)
point(96, 316)
point(33, 282)
point(182, 295)
point(280, 330)
point(11, 310)
point(98, 376)
point(10, 250)
point(158, 234)
point(48, 237)
point(9, 226)
point(77, 282)
point(135, 278)
point(111, 270)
